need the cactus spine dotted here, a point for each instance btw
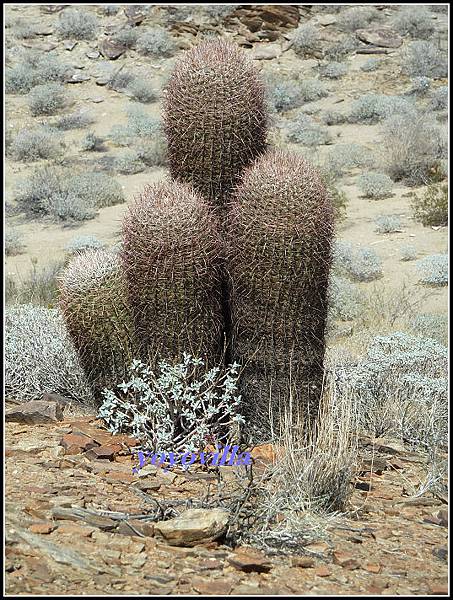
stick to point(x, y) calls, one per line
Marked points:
point(279, 235)
point(170, 257)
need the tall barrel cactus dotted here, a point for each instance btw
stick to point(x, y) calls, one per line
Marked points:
point(214, 118)
point(170, 256)
point(279, 234)
point(93, 301)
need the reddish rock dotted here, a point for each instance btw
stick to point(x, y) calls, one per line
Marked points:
point(212, 588)
point(373, 568)
point(345, 560)
point(135, 527)
point(250, 560)
point(43, 528)
point(304, 562)
point(323, 571)
point(105, 452)
point(442, 515)
point(76, 443)
point(75, 530)
point(111, 49)
point(439, 589)
point(115, 477)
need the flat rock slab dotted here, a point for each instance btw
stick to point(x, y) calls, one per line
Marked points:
point(194, 526)
point(380, 36)
point(35, 411)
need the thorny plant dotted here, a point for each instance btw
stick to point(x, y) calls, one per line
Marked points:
point(180, 408)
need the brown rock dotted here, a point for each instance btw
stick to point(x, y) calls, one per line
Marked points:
point(105, 452)
point(250, 560)
point(116, 477)
point(76, 443)
point(380, 36)
point(304, 562)
point(135, 527)
point(373, 568)
point(323, 571)
point(193, 527)
point(75, 530)
point(43, 528)
point(212, 588)
point(148, 486)
point(439, 589)
point(442, 515)
point(111, 49)
point(345, 560)
point(266, 52)
point(135, 14)
point(35, 411)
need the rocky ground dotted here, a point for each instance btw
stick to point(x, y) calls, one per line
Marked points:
point(78, 520)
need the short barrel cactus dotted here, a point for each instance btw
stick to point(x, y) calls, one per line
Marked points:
point(279, 237)
point(171, 259)
point(214, 117)
point(93, 301)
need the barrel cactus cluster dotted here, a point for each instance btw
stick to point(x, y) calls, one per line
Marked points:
point(228, 259)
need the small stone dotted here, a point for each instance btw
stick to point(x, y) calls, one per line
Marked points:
point(373, 568)
point(212, 588)
point(439, 589)
point(75, 530)
point(345, 560)
point(134, 14)
point(103, 80)
point(93, 55)
point(250, 560)
point(442, 515)
point(323, 571)
point(133, 526)
point(43, 30)
point(35, 411)
point(326, 20)
point(69, 45)
point(148, 486)
point(77, 78)
point(266, 52)
point(111, 49)
point(304, 562)
point(105, 452)
point(119, 477)
point(76, 443)
point(97, 99)
point(193, 526)
point(43, 528)
point(441, 553)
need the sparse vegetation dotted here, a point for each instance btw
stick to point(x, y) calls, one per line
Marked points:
point(286, 95)
point(357, 18)
point(431, 206)
point(333, 70)
point(388, 224)
point(305, 130)
point(91, 143)
point(157, 42)
point(33, 69)
point(375, 185)
point(129, 163)
point(415, 21)
point(33, 144)
point(77, 120)
point(77, 24)
point(13, 241)
point(46, 99)
point(371, 64)
point(408, 253)
point(372, 108)
point(305, 39)
point(424, 59)
point(359, 264)
point(433, 270)
point(141, 91)
point(82, 243)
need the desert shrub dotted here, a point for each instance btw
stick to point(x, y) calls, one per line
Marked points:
point(33, 144)
point(82, 243)
point(218, 12)
point(286, 95)
point(387, 224)
point(340, 50)
point(139, 125)
point(312, 89)
point(420, 86)
point(331, 117)
point(333, 70)
point(431, 326)
point(110, 9)
point(34, 69)
point(439, 98)
point(337, 196)
point(66, 195)
point(412, 145)
point(99, 188)
point(77, 24)
point(415, 21)
point(70, 207)
point(431, 208)
point(408, 253)
point(153, 152)
point(189, 404)
point(345, 299)
point(77, 120)
point(39, 286)
point(305, 39)
point(401, 387)
point(305, 130)
point(359, 264)
point(23, 31)
point(91, 143)
point(357, 17)
point(119, 80)
point(13, 241)
point(344, 157)
point(433, 270)
point(372, 108)
point(127, 36)
point(46, 99)
point(424, 59)
point(375, 185)
point(156, 41)
point(129, 163)
point(141, 91)
point(39, 356)
point(371, 64)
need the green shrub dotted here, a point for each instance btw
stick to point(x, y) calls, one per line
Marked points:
point(431, 207)
point(77, 24)
point(46, 99)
